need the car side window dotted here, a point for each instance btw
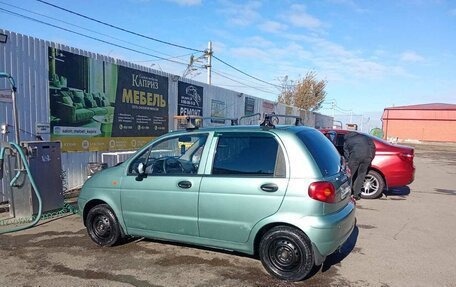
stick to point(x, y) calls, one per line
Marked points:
point(172, 156)
point(258, 155)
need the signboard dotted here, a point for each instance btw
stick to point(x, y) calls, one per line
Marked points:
point(288, 111)
point(189, 99)
point(99, 106)
point(249, 108)
point(268, 107)
point(42, 128)
point(6, 96)
point(218, 111)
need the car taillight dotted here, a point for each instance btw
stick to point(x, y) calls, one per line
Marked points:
point(322, 191)
point(406, 156)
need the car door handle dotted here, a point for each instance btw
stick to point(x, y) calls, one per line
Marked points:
point(184, 184)
point(269, 187)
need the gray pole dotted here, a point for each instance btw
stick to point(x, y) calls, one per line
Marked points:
point(13, 96)
point(209, 62)
point(15, 118)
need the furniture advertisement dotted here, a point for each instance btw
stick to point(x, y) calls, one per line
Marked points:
point(100, 106)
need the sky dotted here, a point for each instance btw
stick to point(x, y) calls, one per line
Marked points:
point(373, 54)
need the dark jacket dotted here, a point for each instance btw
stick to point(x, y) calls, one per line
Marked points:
point(358, 146)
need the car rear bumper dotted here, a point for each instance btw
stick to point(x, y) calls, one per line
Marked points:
point(329, 232)
point(400, 178)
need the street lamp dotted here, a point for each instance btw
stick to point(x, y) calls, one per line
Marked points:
point(3, 38)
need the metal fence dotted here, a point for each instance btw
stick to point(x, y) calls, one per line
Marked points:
point(27, 60)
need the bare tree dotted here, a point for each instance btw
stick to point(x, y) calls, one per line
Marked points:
point(308, 93)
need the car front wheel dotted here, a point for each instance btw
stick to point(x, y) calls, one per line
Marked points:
point(286, 253)
point(373, 185)
point(102, 225)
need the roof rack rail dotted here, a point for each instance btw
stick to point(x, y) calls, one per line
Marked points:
point(191, 122)
point(250, 116)
point(268, 120)
point(234, 121)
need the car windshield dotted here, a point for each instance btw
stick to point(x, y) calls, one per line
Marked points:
point(322, 150)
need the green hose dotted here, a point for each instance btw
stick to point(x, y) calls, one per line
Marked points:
point(35, 189)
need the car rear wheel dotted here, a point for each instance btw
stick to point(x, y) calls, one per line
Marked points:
point(373, 185)
point(286, 253)
point(102, 226)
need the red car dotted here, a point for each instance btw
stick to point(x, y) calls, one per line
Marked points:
point(392, 165)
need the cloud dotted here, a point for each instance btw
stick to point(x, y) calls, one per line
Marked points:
point(297, 16)
point(452, 12)
point(186, 2)
point(411, 56)
point(349, 3)
point(219, 47)
point(339, 63)
point(258, 41)
point(272, 27)
point(241, 14)
point(249, 52)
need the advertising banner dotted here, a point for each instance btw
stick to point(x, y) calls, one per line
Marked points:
point(218, 111)
point(249, 108)
point(99, 106)
point(268, 107)
point(289, 111)
point(189, 99)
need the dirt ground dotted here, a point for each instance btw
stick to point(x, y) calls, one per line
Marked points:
point(406, 238)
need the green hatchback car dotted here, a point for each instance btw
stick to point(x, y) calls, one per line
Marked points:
point(279, 193)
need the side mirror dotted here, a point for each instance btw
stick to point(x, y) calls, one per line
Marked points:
point(141, 168)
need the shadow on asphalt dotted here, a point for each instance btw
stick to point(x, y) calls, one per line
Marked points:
point(342, 252)
point(446, 191)
point(333, 259)
point(401, 191)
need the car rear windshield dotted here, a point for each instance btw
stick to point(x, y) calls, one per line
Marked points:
point(322, 150)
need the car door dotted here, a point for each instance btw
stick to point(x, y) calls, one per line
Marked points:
point(164, 198)
point(244, 183)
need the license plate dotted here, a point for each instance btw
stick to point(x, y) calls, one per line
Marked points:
point(346, 189)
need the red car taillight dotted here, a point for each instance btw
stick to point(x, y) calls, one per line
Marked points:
point(322, 191)
point(406, 156)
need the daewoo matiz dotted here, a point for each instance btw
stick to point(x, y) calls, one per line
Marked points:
point(279, 193)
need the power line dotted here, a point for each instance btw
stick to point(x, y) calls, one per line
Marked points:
point(221, 75)
point(153, 39)
point(93, 31)
point(90, 37)
point(238, 80)
point(240, 71)
point(174, 57)
point(120, 28)
point(248, 80)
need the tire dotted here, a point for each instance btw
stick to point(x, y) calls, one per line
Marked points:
point(102, 226)
point(286, 253)
point(373, 185)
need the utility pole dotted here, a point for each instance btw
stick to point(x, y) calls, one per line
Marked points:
point(209, 62)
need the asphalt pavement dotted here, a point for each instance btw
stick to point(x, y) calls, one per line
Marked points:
point(406, 238)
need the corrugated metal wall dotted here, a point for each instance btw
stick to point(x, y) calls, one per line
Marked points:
point(27, 60)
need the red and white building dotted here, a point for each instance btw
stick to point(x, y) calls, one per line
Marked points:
point(427, 122)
